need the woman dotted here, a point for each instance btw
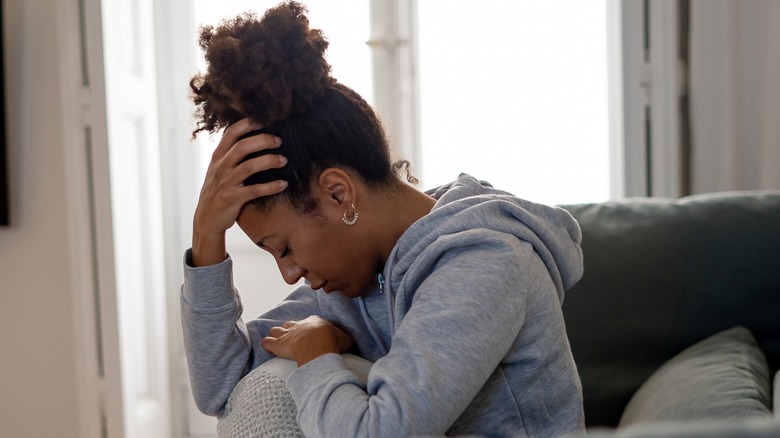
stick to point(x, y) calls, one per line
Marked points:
point(455, 296)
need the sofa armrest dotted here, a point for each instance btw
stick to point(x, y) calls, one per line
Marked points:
point(261, 406)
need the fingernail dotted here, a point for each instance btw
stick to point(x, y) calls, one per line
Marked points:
point(278, 141)
point(283, 184)
point(282, 159)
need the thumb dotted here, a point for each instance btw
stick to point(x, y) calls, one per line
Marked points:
point(268, 344)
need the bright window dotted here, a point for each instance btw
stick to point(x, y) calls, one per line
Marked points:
point(515, 92)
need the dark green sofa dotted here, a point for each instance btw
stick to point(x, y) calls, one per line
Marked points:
point(662, 275)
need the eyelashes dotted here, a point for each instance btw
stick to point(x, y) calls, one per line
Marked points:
point(285, 252)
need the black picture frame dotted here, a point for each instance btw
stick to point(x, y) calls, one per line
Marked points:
point(5, 214)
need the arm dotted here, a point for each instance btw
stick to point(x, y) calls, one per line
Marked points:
point(217, 343)
point(219, 346)
point(465, 317)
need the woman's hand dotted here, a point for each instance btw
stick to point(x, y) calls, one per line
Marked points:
point(223, 192)
point(306, 340)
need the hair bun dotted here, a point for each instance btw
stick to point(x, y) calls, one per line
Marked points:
point(266, 69)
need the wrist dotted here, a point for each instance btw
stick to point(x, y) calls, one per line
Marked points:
point(307, 355)
point(320, 343)
point(208, 248)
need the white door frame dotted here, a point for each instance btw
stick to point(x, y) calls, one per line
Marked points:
point(180, 163)
point(91, 232)
point(104, 408)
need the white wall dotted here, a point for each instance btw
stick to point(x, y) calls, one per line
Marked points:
point(38, 388)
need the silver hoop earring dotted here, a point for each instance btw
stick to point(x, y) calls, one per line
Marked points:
point(354, 216)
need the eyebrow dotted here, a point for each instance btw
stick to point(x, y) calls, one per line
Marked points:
point(261, 242)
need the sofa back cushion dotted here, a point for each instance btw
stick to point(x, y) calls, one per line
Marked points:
point(661, 275)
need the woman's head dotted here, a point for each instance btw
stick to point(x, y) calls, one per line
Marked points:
point(273, 70)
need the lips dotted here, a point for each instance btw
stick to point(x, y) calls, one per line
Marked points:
point(320, 286)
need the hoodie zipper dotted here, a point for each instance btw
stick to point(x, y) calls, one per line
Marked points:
point(390, 304)
point(370, 321)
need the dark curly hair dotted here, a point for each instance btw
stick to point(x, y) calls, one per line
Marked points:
point(274, 71)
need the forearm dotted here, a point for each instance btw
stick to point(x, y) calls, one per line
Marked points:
point(216, 342)
point(218, 356)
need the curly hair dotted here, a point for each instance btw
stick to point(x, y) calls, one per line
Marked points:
point(274, 71)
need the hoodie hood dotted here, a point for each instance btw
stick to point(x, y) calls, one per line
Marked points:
point(467, 204)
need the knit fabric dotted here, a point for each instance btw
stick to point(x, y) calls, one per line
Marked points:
point(259, 406)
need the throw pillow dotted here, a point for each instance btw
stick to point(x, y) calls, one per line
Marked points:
point(776, 393)
point(723, 376)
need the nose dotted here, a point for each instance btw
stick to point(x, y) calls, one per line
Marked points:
point(291, 271)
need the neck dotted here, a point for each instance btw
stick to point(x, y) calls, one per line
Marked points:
point(396, 210)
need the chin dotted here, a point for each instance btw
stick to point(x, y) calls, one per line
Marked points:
point(348, 290)
point(354, 293)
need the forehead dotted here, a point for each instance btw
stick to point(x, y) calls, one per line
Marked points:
point(278, 220)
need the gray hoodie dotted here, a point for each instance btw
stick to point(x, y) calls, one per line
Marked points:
point(464, 326)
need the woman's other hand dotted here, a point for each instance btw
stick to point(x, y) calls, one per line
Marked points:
point(223, 192)
point(306, 340)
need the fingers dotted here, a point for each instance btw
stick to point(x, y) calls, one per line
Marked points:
point(228, 170)
point(246, 146)
point(235, 179)
point(232, 133)
point(230, 180)
point(270, 345)
point(277, 343)
point(305, 340)
point(259, 164)
point(232, 168)
point(254, 191)
point(233, 147)
point(277, 332)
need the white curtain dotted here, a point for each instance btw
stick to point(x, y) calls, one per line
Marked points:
point(734, 95)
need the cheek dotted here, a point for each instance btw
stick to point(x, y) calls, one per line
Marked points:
point(323, 251)
point(340, 253)
point(345, 255)
point(360, 266)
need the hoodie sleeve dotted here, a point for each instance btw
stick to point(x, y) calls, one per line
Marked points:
point(466, 315)
point(219, 346)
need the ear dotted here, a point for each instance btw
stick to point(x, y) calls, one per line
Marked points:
point(337, 187)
